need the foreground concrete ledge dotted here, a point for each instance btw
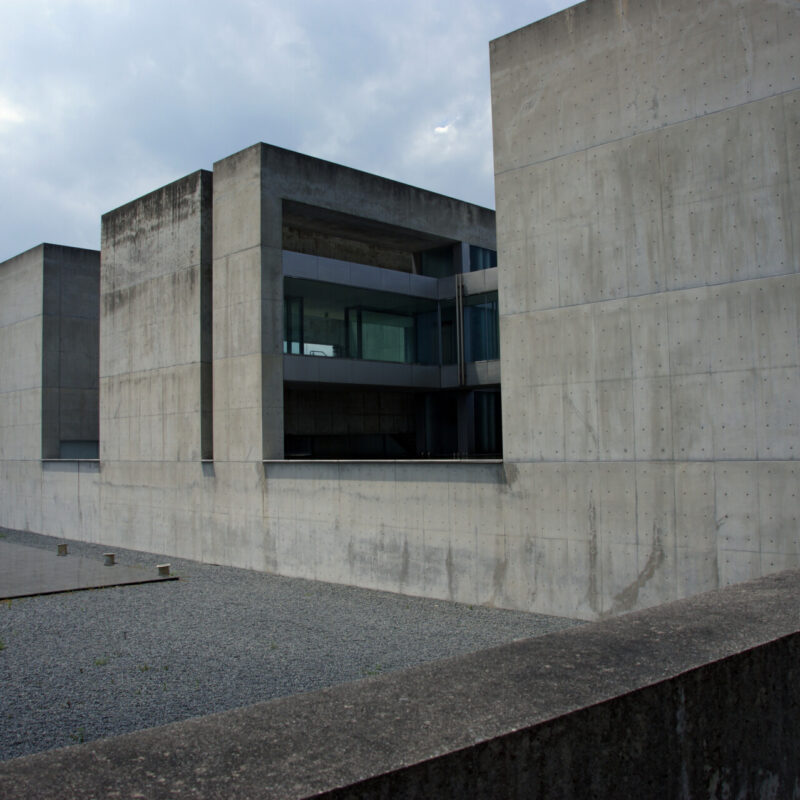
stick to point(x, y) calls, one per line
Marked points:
point(694, 698)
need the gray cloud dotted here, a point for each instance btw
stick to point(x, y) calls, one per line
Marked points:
point(104, 100)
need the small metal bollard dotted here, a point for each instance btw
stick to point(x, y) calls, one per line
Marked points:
point(62, 550)
point(109, 559)
point(163, 570)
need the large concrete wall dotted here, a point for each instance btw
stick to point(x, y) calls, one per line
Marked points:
point(155, 372)
point(646, 159)
point(48, 384)
point(48, 350)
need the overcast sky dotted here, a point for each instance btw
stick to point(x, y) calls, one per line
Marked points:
point(102, 101)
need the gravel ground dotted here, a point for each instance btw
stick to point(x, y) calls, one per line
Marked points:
point(89, 664)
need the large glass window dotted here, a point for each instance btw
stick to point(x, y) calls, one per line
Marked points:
point(481, 327)
point(323, 319)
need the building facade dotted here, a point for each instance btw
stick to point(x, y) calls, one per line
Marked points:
point(299, 364)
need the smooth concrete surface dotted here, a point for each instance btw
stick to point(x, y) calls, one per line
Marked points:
point(647, 193)
point(27, 571)
point(695, 698)
point(577, 545)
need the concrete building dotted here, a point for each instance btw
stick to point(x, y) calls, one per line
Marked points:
point(288, 348)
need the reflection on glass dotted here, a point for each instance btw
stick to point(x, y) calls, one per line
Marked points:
point(292, 323)
point(481, 258)
point(449, 349)
point(481, 327)
point(322, 319)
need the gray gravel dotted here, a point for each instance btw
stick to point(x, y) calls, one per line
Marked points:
point(90, 664)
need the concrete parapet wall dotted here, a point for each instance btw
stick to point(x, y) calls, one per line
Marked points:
point(562, 539)
point(699, 698)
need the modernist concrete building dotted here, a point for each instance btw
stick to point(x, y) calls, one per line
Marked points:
point(288, 349)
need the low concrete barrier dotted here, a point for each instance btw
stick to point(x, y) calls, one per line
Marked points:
point(698, 698)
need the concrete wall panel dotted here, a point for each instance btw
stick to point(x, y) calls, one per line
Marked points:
point(631, 68)
point(646, 203)
point(155, 300)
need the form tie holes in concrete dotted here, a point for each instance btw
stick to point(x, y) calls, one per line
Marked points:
point(63, 550)
point(109, 559)
point(163, 570)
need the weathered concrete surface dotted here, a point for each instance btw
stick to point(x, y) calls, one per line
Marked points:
point(697, 698)
point(155, 294)
point(251, 190)
point(48, 351)
point(647, 192)
point(27, 571)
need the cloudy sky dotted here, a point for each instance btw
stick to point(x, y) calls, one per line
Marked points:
point(102, 101)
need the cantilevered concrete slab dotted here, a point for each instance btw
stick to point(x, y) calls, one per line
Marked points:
point(27, 571)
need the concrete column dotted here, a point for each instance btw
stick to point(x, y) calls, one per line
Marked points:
point(247, 312)
point(154, 367)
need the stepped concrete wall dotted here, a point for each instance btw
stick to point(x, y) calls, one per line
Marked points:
point(647, 180)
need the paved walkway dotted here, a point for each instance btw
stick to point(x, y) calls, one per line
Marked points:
point(27, 571)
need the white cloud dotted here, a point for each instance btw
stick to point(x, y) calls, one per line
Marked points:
point(104, 100)
point(10, 113)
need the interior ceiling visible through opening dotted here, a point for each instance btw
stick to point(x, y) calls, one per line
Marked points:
point(313, 219)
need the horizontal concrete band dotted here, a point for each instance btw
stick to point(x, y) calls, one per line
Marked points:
point(694, 698)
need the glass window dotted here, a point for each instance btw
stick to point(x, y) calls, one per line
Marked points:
point(481, 258)
point(292, 325)
point(387, 337)
point(488, 434)
point(449, 345)
point(437, 263)
point(323, 319)
point(427, 337)
point(481, 327)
